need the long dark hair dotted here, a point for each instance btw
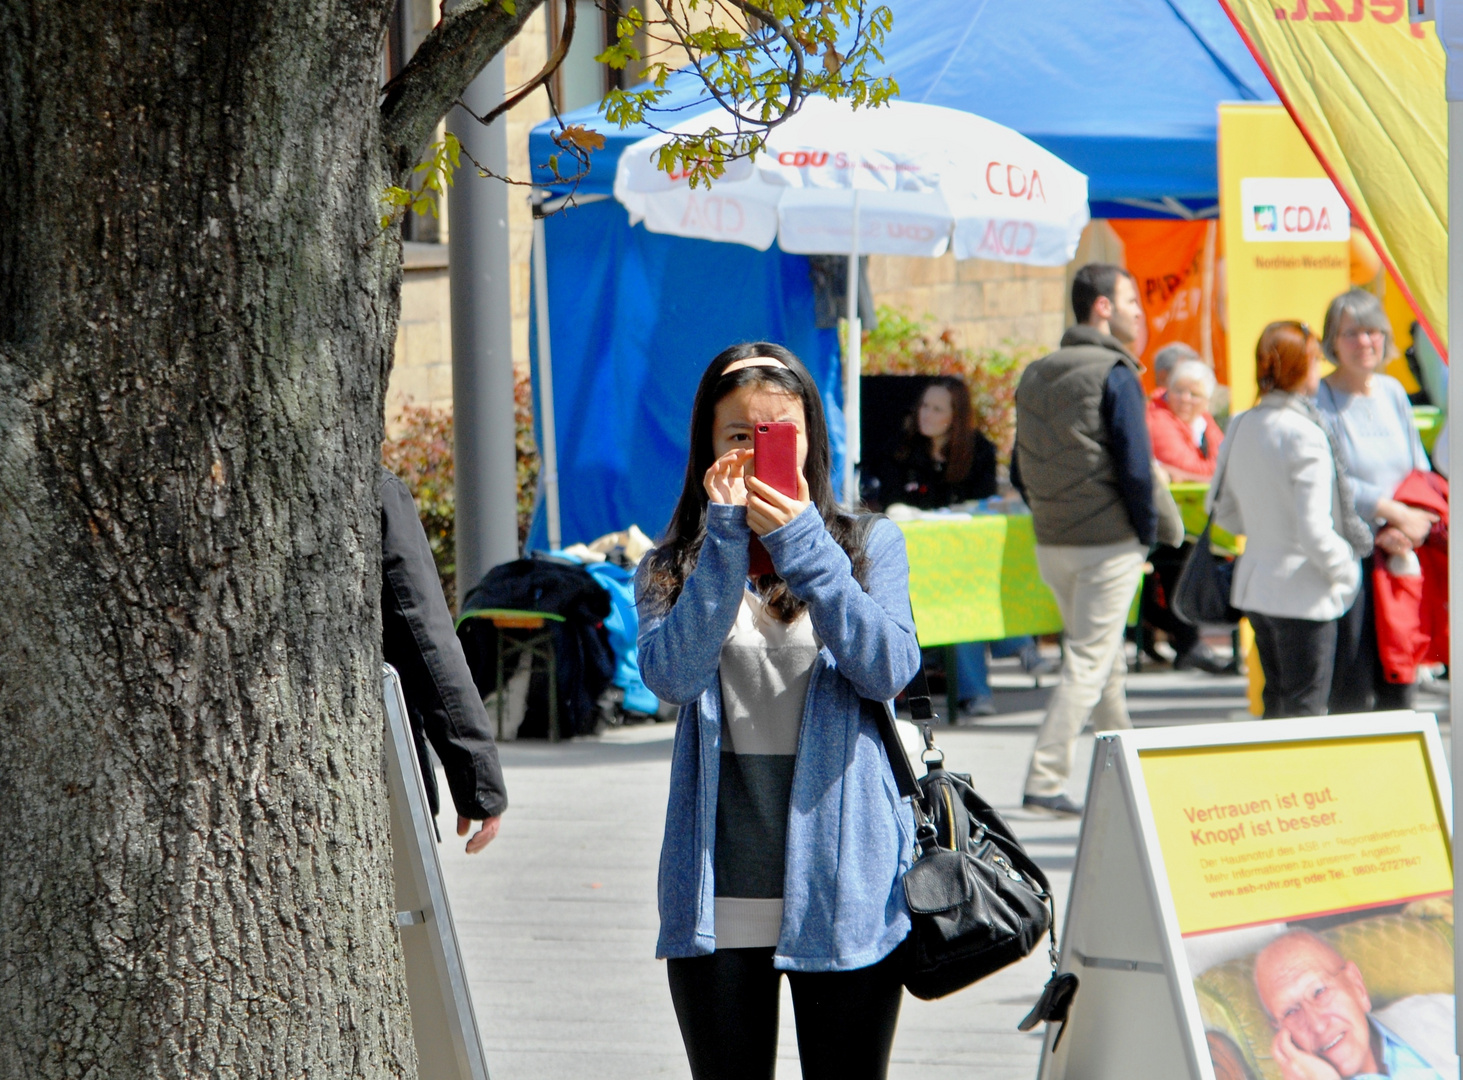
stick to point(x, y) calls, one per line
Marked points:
point(960, 447)
point(675, 557)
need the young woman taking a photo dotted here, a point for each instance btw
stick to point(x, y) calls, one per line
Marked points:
point(785, 836)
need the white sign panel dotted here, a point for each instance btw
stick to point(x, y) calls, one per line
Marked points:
point(1262, 901)
point(1280, 209)
point(444, 1026)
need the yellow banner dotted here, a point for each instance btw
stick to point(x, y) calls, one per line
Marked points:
point(1259, 834)
point(1366, 89)
point(1287, 237)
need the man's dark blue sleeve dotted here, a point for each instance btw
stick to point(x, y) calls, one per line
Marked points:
point(1125, 413)
point(1016, 474)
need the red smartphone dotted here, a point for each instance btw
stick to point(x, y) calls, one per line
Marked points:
point(775, 463)
point(775, 456)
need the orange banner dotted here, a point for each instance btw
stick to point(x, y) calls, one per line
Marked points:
point(1176, 266)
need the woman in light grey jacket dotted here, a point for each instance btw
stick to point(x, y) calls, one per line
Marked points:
point(1279, 487)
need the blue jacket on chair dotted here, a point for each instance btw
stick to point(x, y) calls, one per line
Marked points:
point(850, 836)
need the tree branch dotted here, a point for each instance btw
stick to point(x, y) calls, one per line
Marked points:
point(555, 61)
point(441, 69)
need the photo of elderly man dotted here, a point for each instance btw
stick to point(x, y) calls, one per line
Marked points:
point(1325, 1028)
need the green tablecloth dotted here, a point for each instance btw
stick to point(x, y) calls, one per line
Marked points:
point(1429, 419)
point(1190, 497)
point(976, 580)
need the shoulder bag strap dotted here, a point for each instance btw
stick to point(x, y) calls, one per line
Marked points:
point(1218, 486)
point(904, 778)
point(918, 693)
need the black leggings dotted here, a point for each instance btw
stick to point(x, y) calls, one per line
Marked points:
point(1296, 656)
point(726, 1004)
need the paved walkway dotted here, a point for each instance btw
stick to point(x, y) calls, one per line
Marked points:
point(557, 919)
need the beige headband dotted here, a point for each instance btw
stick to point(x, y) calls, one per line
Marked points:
point(753, 361)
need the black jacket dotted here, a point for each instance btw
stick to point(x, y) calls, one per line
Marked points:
point(919, 480)
point(441, 698)
point(582, 650)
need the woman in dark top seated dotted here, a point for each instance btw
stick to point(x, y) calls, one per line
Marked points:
point(941, 461)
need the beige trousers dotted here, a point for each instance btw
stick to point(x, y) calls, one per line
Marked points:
point(1094, 587)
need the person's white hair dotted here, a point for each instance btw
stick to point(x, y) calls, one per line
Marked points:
point(1196, 370)
point(1171, 355)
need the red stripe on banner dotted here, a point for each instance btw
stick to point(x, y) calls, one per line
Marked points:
point(1356, 215)
point(1320, 914)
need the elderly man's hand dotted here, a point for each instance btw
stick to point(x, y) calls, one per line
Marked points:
point(1297, 1064)
point(483, 837)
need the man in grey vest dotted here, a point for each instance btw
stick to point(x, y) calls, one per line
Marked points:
point(1083, 463)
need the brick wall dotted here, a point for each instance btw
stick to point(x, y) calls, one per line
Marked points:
point(985, 303)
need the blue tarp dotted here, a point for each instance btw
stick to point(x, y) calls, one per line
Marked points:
point(636, 317)
point(623, 626)
point(1125, 90)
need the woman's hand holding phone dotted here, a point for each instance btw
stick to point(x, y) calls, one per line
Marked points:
point(768, 508)
point(725, 481)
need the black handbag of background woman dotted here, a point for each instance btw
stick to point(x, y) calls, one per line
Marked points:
point(977, 902)
point(1203, 589)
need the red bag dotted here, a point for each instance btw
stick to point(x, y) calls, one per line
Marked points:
point(1412, 611)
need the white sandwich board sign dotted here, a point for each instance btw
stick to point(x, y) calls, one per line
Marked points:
point(444, 1025)
point(1262, 901)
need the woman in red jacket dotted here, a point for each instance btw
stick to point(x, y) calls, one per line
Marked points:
point(1186, 443)
point(1185, 437)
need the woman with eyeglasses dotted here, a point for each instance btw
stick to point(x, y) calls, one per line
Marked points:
point(1278, 484)
point(1371, 419)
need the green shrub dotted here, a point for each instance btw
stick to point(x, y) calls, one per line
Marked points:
point(420, 452)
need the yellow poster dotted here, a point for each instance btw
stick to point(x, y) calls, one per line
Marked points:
point(1284, 831)
point(1366, 89)
point(1287, 234)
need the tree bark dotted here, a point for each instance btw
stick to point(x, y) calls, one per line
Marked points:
point(196, 326)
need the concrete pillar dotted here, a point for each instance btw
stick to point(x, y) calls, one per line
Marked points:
point(482, 341)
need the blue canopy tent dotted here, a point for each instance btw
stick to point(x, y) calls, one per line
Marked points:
point(1126, 91)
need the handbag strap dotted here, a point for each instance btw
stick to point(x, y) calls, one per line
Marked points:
point(1218, 485)
point(904, 779)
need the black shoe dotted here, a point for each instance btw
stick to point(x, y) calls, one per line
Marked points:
point(978, 706)
point(1150, 650)
point(1201, 657)
point(1057, 805)
point(1033, 663)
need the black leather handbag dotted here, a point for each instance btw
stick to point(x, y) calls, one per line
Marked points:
point(1203, 589)
point(976, 900)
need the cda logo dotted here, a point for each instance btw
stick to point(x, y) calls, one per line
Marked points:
point(1289, 208)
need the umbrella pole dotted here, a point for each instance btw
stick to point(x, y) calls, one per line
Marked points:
point(550, 448)
point(852, 368)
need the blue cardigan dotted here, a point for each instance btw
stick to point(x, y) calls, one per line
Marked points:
point(850, 836)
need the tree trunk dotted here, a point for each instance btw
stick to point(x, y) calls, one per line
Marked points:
point(197, 320)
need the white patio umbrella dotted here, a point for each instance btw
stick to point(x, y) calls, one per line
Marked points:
point(903, 179)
